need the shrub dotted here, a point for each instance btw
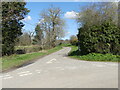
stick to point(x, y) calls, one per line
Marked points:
point(29, 49)
point(100, 57)
point(20, 51)
point(103, 39)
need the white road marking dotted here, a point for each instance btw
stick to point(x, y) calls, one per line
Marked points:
point(25, 74)
point(51, 60)
point(48, 62)
point(8, 77)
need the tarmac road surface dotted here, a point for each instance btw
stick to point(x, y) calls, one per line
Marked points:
point(57, 70)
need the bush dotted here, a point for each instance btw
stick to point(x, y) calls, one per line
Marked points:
point(93, 56)
point(29, 49)
point(100, 57)
point(20, 51)
point(103, 39)
point(33, 49)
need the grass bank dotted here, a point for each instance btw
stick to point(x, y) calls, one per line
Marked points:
point(93, 56)
point(13, 61)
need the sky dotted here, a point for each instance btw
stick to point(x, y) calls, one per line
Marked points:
point(69, 9)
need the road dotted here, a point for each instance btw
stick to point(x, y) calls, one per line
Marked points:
point(59, 71)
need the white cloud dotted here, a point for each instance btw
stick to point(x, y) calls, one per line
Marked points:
point(71, 15)
point(27, 18)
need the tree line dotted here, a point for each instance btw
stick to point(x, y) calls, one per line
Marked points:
point(99, 31)
point(49, 29)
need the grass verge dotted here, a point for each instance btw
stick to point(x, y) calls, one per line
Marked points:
point(93, 56)
point(13, 61)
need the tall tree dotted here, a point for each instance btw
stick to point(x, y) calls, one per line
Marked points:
point(53, 24)
point(39, 34)
point(12, 14)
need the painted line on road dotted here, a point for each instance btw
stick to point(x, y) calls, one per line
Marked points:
point(51, 60)
point(48, 62)
point(8, 77)
point(25, 74)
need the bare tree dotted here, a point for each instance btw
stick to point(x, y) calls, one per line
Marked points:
point(31, 35)
point(24, 40)
point(52, 24)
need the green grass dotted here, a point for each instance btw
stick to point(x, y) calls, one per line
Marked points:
point(17, 60)
point(93, 56)
point(66, 45)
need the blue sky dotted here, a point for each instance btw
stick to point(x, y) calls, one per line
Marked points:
point(67, 7)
